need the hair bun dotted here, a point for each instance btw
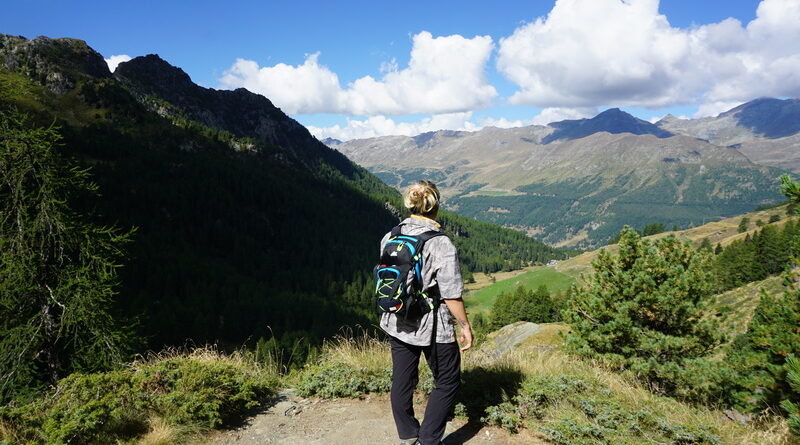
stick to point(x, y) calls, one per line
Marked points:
point(422, 198)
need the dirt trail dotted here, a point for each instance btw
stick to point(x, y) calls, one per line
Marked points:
point(297, 421)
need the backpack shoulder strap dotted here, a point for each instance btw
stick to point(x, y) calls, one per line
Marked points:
point(396, 230)
point(424, 237)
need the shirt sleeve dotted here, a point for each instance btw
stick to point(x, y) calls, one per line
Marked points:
point(444, 259)
point(383, 243)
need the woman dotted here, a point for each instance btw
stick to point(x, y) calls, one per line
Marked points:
point(408, 338)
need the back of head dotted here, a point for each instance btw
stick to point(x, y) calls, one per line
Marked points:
point(422, 198)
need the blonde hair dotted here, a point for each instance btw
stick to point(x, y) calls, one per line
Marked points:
point(422, 198)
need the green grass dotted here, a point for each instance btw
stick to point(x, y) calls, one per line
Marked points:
point(482, 300)
point(739, 304)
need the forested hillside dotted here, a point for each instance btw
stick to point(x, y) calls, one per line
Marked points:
point(245, 225)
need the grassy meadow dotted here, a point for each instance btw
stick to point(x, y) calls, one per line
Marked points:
point(480, 300)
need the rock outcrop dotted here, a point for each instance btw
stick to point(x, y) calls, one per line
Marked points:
point(57, 64)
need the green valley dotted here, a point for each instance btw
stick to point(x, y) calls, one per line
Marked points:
point(481, 300)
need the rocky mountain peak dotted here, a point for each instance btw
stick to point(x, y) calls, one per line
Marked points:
point(151, 70)
point(771, 118)
point(241, 112)
point(666, 120)
point(59, 64)
point(613, 121)
point(331, 142)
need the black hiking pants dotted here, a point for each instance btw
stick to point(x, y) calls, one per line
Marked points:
point(405, 376)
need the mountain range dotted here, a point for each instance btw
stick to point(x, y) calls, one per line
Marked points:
point(577, 182)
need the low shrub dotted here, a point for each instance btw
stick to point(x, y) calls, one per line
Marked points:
point(352, 367)
point(203, 390)
point(333, 380)
point(576, 410)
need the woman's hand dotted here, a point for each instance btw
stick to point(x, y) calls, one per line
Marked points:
point(465, 336)
point(456, 306)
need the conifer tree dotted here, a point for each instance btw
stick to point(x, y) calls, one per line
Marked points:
point(653, 229)
point(503, 310)
point(743, 224)
point(759, 357)
point(764, 359)
point(57, 269)
point(792, 407)
point(644, 309)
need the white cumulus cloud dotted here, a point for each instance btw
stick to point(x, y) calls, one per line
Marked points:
point(376, 126)
point(589, 53)
point(444, 75)
point(113, 61)
point(559, 114)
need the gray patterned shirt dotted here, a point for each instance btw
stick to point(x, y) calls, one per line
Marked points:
point(440, 270)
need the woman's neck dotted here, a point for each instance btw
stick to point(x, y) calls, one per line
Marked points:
point(427, 218)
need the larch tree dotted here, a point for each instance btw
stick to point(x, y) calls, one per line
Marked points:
point(58, 270)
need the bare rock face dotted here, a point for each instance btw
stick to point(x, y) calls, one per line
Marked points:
point(58, 64)
point(508, 338)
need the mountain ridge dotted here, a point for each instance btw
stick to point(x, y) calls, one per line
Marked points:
point(575, 191)
point(612, 120)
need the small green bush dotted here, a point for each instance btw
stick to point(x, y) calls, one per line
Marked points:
point(536, 395)
point(106, 407)
point(333, 380)
point(588, 413)
point(205, 393)
point(644, 310)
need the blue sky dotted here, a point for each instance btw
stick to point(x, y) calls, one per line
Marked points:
point(509, 68)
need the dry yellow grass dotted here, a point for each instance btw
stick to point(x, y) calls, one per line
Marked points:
point(358, 352)
point(482, 280)
point(210, 354)
point(163, 433)
point(369, 353)
point(552, 335)
point(7, 433)
point(721, 232)
point(726, 230)
point(634, 396)
point(739, 304)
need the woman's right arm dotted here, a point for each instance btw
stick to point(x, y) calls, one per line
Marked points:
point(451, 287)
point(456, 306)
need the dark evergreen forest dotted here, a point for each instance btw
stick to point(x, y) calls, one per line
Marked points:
point(236, 238)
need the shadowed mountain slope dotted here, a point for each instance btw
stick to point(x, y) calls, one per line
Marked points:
point(613, 121)
point(765, 130)
point(247, 226)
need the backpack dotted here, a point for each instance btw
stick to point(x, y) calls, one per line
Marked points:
point(395, 291)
